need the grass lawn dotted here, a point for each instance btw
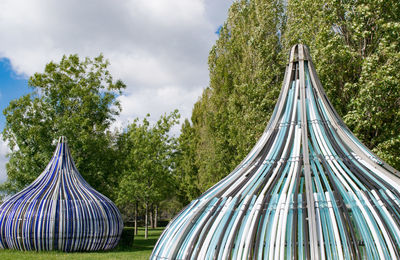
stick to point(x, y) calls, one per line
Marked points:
point(141, 249)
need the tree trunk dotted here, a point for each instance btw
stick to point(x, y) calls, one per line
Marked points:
point(156, 216)
point(146, 224)
point(151, 217)
point(136, 216)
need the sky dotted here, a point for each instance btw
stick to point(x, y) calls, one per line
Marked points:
point(158, 48)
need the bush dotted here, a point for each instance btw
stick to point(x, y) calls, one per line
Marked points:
point(127, 237)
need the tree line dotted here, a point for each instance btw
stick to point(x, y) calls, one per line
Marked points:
point(150, 172)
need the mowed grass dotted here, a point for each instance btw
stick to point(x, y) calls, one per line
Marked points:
point(141, 249)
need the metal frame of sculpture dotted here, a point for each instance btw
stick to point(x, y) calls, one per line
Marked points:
point(60, 211)
point(309, 189)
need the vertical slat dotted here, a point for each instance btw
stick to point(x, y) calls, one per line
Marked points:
point(306, 160)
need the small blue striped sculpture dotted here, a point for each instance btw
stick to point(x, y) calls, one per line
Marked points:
point(59, 211)
point(309, 189)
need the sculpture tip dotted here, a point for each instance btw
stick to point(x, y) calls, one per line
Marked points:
point(299, 52)
point(62, 139)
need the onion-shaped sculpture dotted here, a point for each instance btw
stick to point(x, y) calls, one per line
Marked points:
point(309, 189)
point(59, 211)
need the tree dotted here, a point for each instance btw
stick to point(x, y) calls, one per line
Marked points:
point(186, 170)
point(147, 158)
point(76, 98)
point(246, 73)
point(375, 114)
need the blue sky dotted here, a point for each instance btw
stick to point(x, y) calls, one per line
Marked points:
point(12, 86)
point(158, 48)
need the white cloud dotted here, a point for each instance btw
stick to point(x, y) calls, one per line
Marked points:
point(157, 102)
point(3, 159)
point(158, 48)
point(175, 32)
point(150, 43)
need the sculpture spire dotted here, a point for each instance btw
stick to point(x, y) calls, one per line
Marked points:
point(309, 189)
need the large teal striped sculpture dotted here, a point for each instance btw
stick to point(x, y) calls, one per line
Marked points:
point(308, 190)
point(59, 211)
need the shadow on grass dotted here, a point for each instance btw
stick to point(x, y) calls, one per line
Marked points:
point(139, 242)
point(137, 246)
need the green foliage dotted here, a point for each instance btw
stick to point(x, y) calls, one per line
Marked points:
point(75, 98)
point(376, 110)
point(186, 172)
point(146, 158)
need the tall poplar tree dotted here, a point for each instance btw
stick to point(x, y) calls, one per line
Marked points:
point(246, 73)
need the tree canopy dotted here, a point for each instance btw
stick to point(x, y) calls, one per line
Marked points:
point(146, 160)
point(76, 98)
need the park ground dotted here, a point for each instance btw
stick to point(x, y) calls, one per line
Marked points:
point(140, 249)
